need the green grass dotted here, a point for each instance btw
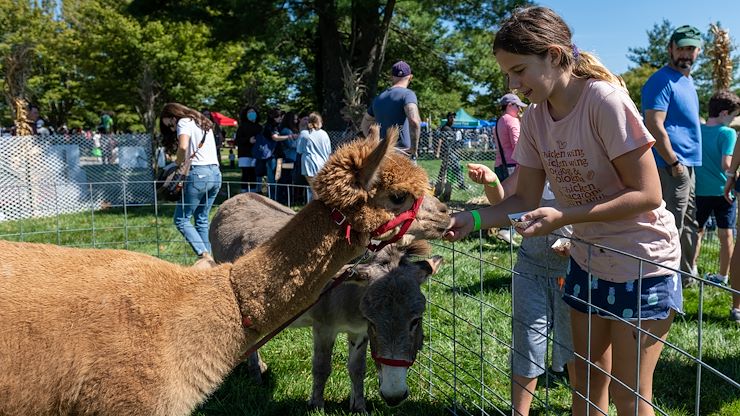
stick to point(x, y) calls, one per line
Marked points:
point(464, 364)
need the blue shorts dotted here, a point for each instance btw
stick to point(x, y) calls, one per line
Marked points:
point(619, 300)
point(724, 212)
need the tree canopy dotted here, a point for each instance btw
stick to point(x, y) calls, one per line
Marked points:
point(129, 57)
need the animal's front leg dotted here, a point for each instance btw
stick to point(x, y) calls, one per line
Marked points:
point(357, 344)
point(323, 344)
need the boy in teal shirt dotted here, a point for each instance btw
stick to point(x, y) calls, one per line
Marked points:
point(718, 142)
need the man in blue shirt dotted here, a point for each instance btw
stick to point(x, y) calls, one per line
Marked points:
point(397, 106)
point(671, 108)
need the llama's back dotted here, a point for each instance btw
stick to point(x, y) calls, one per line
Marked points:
point(97, 332)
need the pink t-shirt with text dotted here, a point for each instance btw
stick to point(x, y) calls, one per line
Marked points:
point(576, 153)
point(507, 127)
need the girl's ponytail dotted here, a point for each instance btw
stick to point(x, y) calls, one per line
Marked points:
point(587, 66)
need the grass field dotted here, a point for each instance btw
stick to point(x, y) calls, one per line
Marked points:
point(464, 365)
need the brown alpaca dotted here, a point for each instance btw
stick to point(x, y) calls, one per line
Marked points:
point(109, 332)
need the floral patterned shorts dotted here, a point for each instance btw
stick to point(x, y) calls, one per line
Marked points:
point(610, 300)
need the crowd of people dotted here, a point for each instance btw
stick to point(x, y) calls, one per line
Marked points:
point(288, 149)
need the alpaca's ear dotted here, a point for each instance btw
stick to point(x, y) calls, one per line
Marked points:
point(367, 174)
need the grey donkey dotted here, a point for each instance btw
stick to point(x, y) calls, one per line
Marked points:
point(382, 302)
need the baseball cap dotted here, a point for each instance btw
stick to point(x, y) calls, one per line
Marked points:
point(511, 98)
point(400, 69)
point(686, 36)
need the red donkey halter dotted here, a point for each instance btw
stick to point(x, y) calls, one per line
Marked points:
point(391, 362)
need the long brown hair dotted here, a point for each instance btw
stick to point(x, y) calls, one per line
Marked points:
point(534, 30)
point(179, 111)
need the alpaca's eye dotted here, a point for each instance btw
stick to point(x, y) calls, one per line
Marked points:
point(399, 199)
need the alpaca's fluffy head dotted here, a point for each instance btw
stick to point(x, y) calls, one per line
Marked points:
point(369, 181)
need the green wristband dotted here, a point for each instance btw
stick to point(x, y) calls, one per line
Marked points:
point(493, 184)
point(476, 219)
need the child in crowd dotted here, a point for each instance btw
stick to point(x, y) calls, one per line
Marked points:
point(718, 141)
point(536, 291)
point(584, 134)
point(232, 159)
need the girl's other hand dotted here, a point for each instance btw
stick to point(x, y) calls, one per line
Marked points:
point(543, 221)
point(481, 174)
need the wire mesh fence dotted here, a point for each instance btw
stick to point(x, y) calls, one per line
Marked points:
point(444, 156)
point(465, 365)
point(49, 175)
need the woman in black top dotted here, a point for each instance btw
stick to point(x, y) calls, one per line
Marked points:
point(249, 127)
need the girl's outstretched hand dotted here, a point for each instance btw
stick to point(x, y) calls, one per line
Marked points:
point(461, 224)
point(481, 174)
point(541, 221)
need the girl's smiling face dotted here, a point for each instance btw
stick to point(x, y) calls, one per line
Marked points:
point(533, 76)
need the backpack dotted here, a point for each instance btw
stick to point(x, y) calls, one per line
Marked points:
point(263, 147)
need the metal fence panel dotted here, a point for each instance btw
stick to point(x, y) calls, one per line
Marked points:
point(41, 176)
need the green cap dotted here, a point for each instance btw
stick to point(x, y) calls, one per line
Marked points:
point(686, 36)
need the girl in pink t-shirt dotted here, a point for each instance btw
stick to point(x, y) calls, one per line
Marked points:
point(584, 134)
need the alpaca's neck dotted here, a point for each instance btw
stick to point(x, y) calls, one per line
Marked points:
point(284, 275)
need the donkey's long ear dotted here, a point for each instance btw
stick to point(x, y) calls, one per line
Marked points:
point(368, 173)
point(428, 267)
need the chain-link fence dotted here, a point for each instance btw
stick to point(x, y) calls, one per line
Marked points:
point(48, 175)
point(443, 155)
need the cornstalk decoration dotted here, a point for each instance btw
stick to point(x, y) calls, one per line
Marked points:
point(17, 70)
point(353, 93)
point(719, 53)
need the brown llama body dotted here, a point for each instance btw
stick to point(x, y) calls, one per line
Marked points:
point(91, 332)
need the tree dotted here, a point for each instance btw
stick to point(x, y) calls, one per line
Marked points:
point(26, 30)
point(317, 38)
point(655, 55)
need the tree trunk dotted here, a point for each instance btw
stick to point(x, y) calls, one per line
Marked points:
point(365, 51)
point(372, 38)
point(148, 94)
point(332, 55)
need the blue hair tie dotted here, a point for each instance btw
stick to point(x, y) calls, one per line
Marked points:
point(576, 52)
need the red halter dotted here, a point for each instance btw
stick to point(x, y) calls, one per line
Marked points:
point(391, 362)
point(406, 217)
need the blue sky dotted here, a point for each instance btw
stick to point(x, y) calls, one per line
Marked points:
point(609, 28)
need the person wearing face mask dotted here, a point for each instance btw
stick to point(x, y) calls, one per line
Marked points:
point(249, 127)
point(671, 109)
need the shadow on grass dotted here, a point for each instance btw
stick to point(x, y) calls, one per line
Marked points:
point(492, 282)
point(238, 395)
point(675, 383)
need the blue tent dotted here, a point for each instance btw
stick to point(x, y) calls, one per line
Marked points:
point(463, 120)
